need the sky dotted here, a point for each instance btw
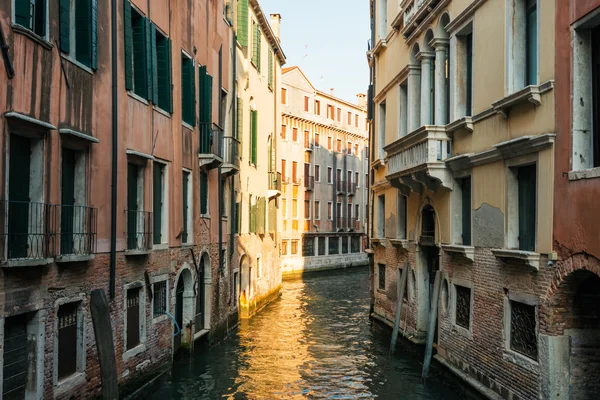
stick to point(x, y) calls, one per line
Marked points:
point(327, 39)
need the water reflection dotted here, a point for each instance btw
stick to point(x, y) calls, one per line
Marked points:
point(316, 341)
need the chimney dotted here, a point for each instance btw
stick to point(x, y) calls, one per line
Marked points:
point(275, 22)
point(331, 91)
point(361, 100)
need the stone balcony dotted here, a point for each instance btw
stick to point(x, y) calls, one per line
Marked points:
point(416, 161)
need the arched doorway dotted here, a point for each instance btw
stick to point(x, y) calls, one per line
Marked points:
point(574, 312)
point(245, 283)
point(183, 309)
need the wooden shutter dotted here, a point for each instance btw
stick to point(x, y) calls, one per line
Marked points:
point(94, 38)
point(203, 192)
point(469, 89)
point(18, 195)
point(65, 24)
point(253, 139)
point(83, 44)
point(260, 216)
point(240, 119)
point(170, 69)
point(132, 198)
point(527, 207)
point(258, 47)
point(185, 89)
point(154, 64)
point(209, 97)
point(270, 68)
point(242, 23)
point(192, 94)
point(148, 58)
point(202, 89)
point(236, 220)
point(157, 189)
point(184, 236)
point(67, 201)
point(23, 13)
point(466, 211)
point(128, 30)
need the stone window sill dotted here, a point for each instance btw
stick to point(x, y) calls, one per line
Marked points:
point(520, 360)
point(137, 252)
point(74, 258)
point(584, 174)
point(401, 244)
point(467, 251)
point(462, 331)
point(159, 319)
point(162, 246)
point(77, 63)
point(378, 242)
point(465, 123)
point(530, 94)
point(27, 263)
point(33, 36)
point(140, 348)
point(137, 97)
point(527, 258)
point(69, 384)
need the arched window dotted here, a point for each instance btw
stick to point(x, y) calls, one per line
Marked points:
point(427, 226)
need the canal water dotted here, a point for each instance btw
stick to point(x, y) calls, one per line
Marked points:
point(315, 341)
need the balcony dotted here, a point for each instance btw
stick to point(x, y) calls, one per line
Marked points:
point(296, 180)
point(416, 161)
point(28, 235)
point(352, 223)
point(78, 232)
point(341, 187)
point(139, 232)
point(210, 149)
point(414, 12)
point(340, 223)
point(351, 188)
point(274, 184)
point(309, 183)
point(231, 156)
point(308, 145)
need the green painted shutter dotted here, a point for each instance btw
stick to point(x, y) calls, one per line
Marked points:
point(65, 24)
point(148, 55)
point(209, 97)
point(469, 89)
point(67, 201)
point(242, 22)
point(527, 207)
point(83, 43)
point(261, 216)
point(236, 220)
point(270, 69)
point(140, 59)
point(128, 44)
point(18, 195)
point(202, 89)
point(203, 192)
point(532, 42)
point(157, 189)
point(466, 211)
point(170, 69)
point(132, 198)
point(154, 58)
point(94, 27)
point(253, 138)
point(258, 46)
point(184, 236)
point(240, 119)
point(23, 13)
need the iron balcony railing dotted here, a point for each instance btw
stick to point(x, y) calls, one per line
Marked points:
point(352, 223)
point(211, 139)
point(28, 230)
point(296, 180)
point(351, 188)
point(231, 148)
point(340, 223)
point(275, 181)
point(139, 230)
point(309, 182)
point(78, 230)
point(308, 144)
point(341, 187)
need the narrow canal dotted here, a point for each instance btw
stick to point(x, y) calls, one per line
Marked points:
point(315, 341)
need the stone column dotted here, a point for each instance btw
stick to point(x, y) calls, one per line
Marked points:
point(426, 58)
point(414, 97)
point(441, 98)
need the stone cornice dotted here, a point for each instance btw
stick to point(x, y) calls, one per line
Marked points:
point(400, 77)
point(464, 16)
point(380, 186)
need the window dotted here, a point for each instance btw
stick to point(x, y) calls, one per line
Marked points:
point(355, 244)
point(295, 135)
point(321, 245)
point(284, 247)
point(33, 15)
point(357, 211)
point(70, 340)
point(283, 96)
point(329, 143)
point(187, 208)
point(381, 136)
point(295, 178)
point(401, 216)
point(294, 208)
point(382, 19)
point(253, 136)
point(306, 102)
point(527, 207)
point(338, 146)
point(76, 226)
point(283, 132)
point(308, 247)
point(270, 69)
point(317, 140)
point(329, 210)
point(317, 210)
point(465, 186)
point(339, 115)
point(381, 276)
point(317, 107)
point(334, 245)
point(159, 299)
point(307, 140)
point(522, 44)
point(133, 326)
point(137, 224)
point(356, 120)
point(256, 45)
point(294, 247)
point(381, 216)
point(349, 118)
point(403, 108)
point(356, 177)
point(306, 209)
point(330, 111)
point(462, 306)
point(317, 173)
point(329, 175)
point(284, 211)
point(138, 53)
point(159, 204)
point(162, 71)
point(188, 90)
point(242, 22)
point(523, 328)
point(204, 193)
point(356, 151)
point(349, 148)
point(283, 170)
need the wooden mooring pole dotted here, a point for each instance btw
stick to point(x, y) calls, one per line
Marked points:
point(104, 344)
point(432, 324)
point(402, 278)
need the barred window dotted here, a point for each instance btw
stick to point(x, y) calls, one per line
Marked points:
point(523, 338)
point(160, 299)
point(133, 318)
point(67, 340)
point(321, 246)
point(463, 306)
point(381, 273)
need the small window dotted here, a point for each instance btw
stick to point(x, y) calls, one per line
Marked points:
point(527, 207)
point(317, 107)
point(256, 45)
point(356, 120)
point(294, 247)
point(284, 170)
point(329, 143)
point(159, 214)
point(334, 245)
point(284, 211)
point(295, 208)
point(254, 137)
point(338, 145)
point(523, 337)
point(349, 118)
point(133, 326)
point(259, 270)
point(163, 72)
point(204, 193)
point(69, 339)
point(356, 177)
point(381, 135)
point(463, 307)
point(284, 247)
point(270, 69)
point(295, 178)
point(306, 103)
point(401, 216)
point(465, 186)
point(381, 276)
point(317, 140)
point(522, 44)
point(159, 298)
point(283, 132)
point(381, 216)
point(141, 80)
point(329, 210)
point(32, 15)
point(283, 96)
point(295, 134)
point(306, 209)
point(329, 175)
point(356, 151)
point(188, 92)
point(186, 207)
point(317, 210)
point(321, 245)
point(339, 115)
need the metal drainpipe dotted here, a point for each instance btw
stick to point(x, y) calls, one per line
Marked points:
point(115, 138)
point(233, 127)
point(371, 197)
point(220, 179)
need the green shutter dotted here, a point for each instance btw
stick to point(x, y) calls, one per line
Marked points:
point(258, 47)
point(236, 219)
point(270, 69)
point(23, 13)
point(532, 42)
point(157, 172)
point(65, 24)
point(261, 216)
point(128, 44)
point(184, 236)
point(148, 28)
point(527, 207)
point(242, 23)
point(202, 89)
point(67, 201)
point(132, 199)
point(94, 27)
point(466, 211)
point(154, 58)
point(170, 69)
point(203, 192)
point(140, 59)
point(253, 137)
point(18, 195)
point(240, 119)
point(83, 32)
point(209, 96)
